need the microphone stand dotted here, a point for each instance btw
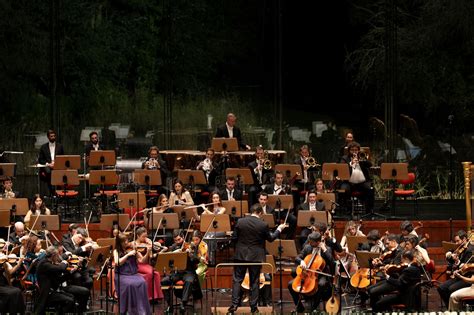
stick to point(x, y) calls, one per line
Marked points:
point(280, 253)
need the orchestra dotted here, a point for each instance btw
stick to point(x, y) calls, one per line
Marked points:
point(32, 260)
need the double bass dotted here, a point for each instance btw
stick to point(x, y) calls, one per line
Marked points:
point(306, 281)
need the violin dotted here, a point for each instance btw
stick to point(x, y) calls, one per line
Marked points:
point(466, 268)
point(12, 259)
point(73, 262)
point(393, 269)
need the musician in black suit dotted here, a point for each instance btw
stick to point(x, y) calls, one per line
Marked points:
point(93, 144)
point(308, 171)
point(250, 234)
point(404, 284)
point(278, 188)
point(51, 273)
point(261, 176)
point(6, 191)
point(230, 130)
point(230, 192)
point(315, 246)
point(47, 153)
point(359, 176)
point(155, 162)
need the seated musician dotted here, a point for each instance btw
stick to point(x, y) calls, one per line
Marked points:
point(215, 206)
point(230, 130)
point(180, 196)
point(80, 246)
point(374, 243)
point(261, 175)
point(456, 259)
point(455, 300)
point(359, 176)
point(14, 237)
point(350, 229)
point(308, 170)
point(188, 276)
point(421, 254)
point(33, 253)
point(72, 229)
point(348, 138)
point(396, 289)
point(407, 229)
point(37, 207)
point(391, 254)
point(155, 162)
point(200, 251)
point(162, 206)
point(209, 167)
point(7, 191)
point(314, 247)
point(263, 202)
point(312, 204)
point(230, 192)
point(146, 247)
point(52, 272)
point(278, 188)
point(93, 145)
point(11, 301)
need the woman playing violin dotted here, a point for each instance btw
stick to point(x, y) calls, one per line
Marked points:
point(12, 299)
point(144, 245)
point(313, 248)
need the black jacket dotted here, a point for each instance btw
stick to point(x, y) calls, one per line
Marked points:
point(89, 147)
point(250, 234)
point(164, 171)
point(266, 174)
point(45, 155)
point(327, 256)
point(50, 276)
point(408, 277)
point(237, 194)
point(364, 166)
point(222, 132)
point(69, 246)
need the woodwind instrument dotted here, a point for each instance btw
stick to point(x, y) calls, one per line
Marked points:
point(467, 168)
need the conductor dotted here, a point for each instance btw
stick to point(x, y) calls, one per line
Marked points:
point(250, 233)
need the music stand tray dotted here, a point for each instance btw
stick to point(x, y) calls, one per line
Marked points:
point(98, 256)
point(225, 144)
point(328, 198)
point(268, 218)
point(447, 246)
point(286, 201)
point(217, 222)
point(196, 177)
point(132, 200)
point(242, 174)
point(64, 177)
point(289, 170)
point(106, 242)
point(307, 218)
point(107, 177)
point(288, 246)
point(171, 262)
point(241, 207)
point(64, 162)
point(7, 170)
point(185, 213)
point(354, 242)
point(5, 218)
point(19, 204)
point(364, 258)
point(45, 222)
point(333, 170)
point(107, 221)
point(170, 220)
point(147, 177)
point(102, 158)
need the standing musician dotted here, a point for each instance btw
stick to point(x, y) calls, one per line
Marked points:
point(80, 246)
point(359, 176)
point(52, 272)
point(315, 250)
point(47, 153)
point(7, 191)
point(188, 276)
point(404, 284)
point(145, 246)
point(209, 167)
point(155, 162)
point(261, 173)
point(278, 188)
point(37, 208)
point(230, 130)
point(180, 196)
point(11, 298)
point(456, 259)
point(93, 144)
point(250, 234)
point(230, 192)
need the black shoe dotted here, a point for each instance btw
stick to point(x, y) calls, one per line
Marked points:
point(300, 308)
point(232, 309)
point(254, 310)
point(182, 309)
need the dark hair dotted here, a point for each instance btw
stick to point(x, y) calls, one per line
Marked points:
point(408, 254)
point(82, 231)
point(93, 133)
point(373, 235)
point(353, 144)
point(197, 233)
point(392, 237)
point(50, 131)
point(177, 232)
point(412, 239)
point(210, 149)
point(178, 181)
point(33, 206)
point(230, 178)
point(154, 147)
point(119, 240)
point(277, 172)
point(263, 194)
point(140, 230)
point(406, 226)
point(257, 208)
point(72, 226)
point(315, 237)
point(212, 206)
point(321, 227)
point(462, 234)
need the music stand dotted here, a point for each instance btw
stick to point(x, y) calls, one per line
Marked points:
point(308, 218)
point(45, 222)
point(284, 201)
point(7, 170)
point(65, 162)
point(289, 170)
point(147, 178)
point(170, 221)
point(103, 178)
point(19, 206)
point(267, 217)
point(355, 242)
point(192, 177)
point(98, 256)
point(448, 246)
point(333, 170)
point(235, 208)
point(132, 200)
point(393, 172)
point(215, 222)
point(329, 200)
point(102, 158)
point(242, 175)
point(64, 178)
point(225, 144)
point(106, 242)
point(184, 213)
point(288, 248)
point(5, 219)
point(107, 221)
point(364, 258)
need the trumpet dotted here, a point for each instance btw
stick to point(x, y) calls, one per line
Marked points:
point(267, 164)
point(363, 156)
point(8, 195)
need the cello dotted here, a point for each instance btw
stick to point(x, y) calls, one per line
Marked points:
point(306, 281)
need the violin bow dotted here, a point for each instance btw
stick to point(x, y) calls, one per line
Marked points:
point(187, 231)
point(31, 230)
point(8, 239)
